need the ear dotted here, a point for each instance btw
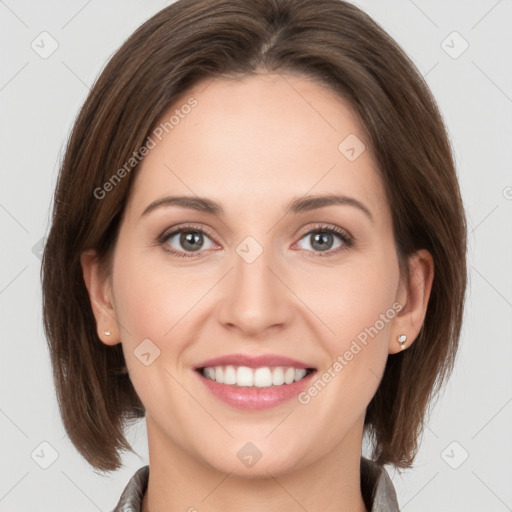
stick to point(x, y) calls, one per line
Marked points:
point(413, 296)
point(100, 294)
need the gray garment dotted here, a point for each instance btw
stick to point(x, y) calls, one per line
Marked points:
point(376, 486)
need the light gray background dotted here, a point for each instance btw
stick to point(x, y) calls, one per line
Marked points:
point(39, 99)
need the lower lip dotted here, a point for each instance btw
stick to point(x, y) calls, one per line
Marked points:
point(254, 398)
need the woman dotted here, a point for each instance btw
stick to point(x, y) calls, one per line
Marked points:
point(301, 152)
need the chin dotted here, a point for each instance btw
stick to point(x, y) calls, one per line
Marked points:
point(253, 460)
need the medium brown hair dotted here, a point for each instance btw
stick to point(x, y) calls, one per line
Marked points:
point(330, 41)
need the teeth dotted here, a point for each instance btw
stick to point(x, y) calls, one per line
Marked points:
point(263, 377)
point(277, 376)
point(229, 375)
point(289, 375)
point(300, 373)
point(254, 377)
point(244, 377)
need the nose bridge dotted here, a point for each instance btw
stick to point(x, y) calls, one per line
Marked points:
point(256, 298)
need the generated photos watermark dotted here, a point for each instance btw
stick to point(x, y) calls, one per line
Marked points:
point(344, 359)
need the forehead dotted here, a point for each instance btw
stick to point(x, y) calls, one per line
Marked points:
point(258, 140)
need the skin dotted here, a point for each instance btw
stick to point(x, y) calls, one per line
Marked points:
point(253, 145)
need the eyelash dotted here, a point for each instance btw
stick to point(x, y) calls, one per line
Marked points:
point(346, 238)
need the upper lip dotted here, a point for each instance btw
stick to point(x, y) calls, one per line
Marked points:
point(253, 361)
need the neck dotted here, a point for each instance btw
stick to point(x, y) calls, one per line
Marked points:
point(181, 482)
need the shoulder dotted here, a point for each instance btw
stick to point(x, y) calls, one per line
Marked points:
point(377, 488)
point(133, 494)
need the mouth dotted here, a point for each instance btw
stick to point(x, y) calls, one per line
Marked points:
point(261, 377)
point(253, 383)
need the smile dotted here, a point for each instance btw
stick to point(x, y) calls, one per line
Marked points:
point(262, 377)
point(250, 382)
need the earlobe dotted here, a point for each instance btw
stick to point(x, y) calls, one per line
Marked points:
point(413, 296)
point(100, 295)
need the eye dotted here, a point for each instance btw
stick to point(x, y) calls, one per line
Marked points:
point(323, 238)
point(186, 239)
point(190, 239)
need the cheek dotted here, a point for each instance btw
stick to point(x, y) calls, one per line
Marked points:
point(356, 305)
point(352, 298)
point(155, 303)
point(151, 302)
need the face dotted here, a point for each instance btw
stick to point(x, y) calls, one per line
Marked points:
point(256, 279)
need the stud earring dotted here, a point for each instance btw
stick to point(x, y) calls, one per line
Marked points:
point(402, 339)
point(107, 333)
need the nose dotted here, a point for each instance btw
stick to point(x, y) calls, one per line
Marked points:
point(255, 296)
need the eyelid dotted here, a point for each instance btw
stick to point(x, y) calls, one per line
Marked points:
point(341, 232)
point(185, 227)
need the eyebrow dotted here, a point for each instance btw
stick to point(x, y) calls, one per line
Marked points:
point(299, 205)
